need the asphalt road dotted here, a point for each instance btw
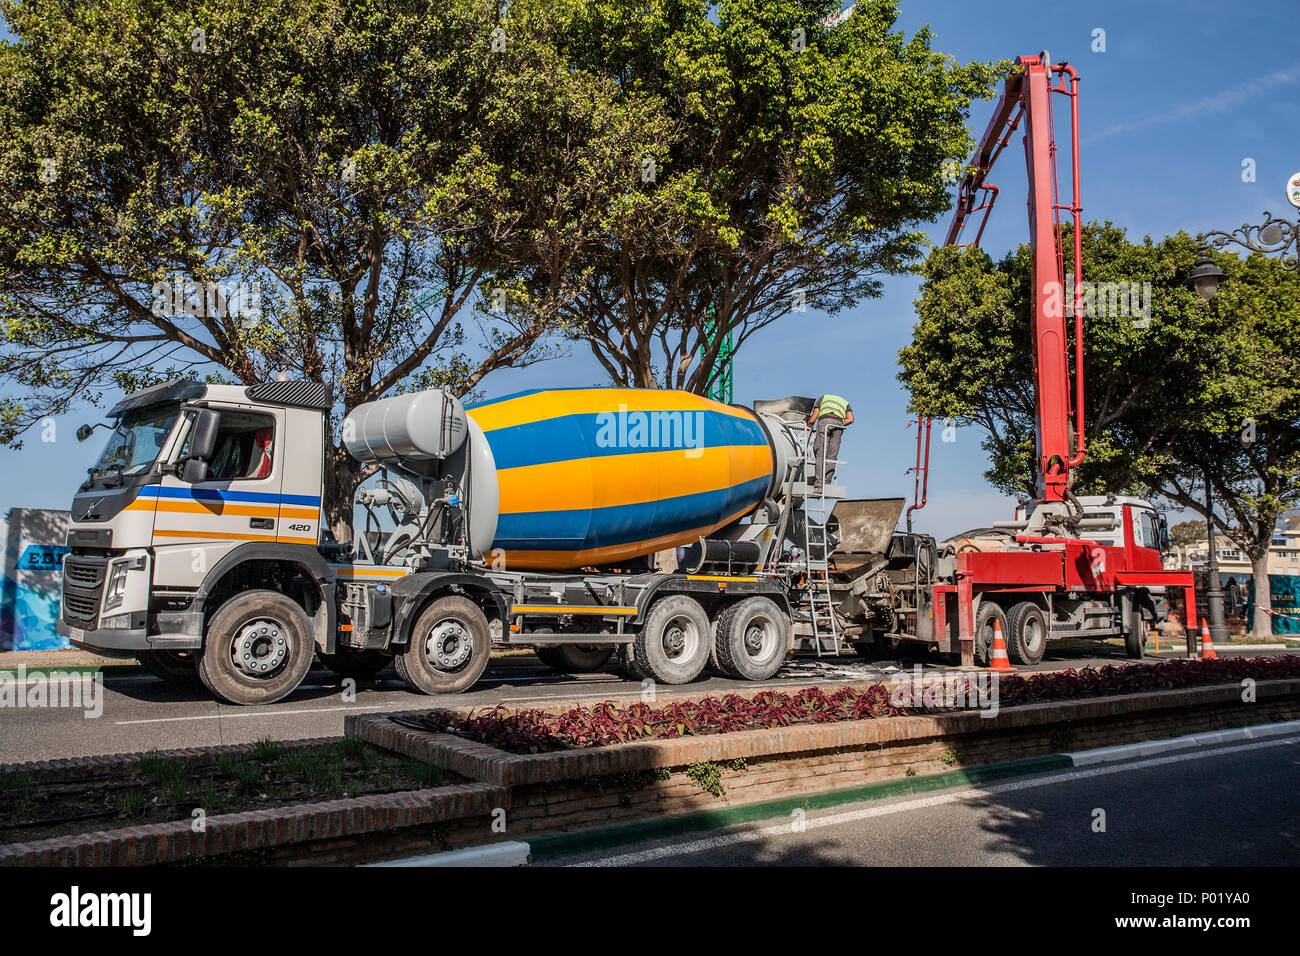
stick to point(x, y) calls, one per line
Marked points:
point(140, 712)
point(1233, 806)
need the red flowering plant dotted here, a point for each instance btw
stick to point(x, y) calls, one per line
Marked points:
point(608, 722)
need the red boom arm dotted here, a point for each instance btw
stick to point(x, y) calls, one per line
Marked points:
point(1026, 97)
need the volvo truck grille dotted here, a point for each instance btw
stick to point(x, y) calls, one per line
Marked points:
point(83, 589)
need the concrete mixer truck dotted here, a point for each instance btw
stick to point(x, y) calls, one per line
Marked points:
point(661, 526)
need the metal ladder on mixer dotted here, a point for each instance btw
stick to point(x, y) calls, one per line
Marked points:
point(817, 510)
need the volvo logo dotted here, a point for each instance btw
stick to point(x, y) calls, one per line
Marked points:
point(90, 509)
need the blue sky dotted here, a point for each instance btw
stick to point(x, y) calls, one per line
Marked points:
point(1184, 92)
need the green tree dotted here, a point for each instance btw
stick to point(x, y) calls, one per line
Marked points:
point(802, 158)
point(1186, 533)
point(1178, 391)
point(402, 193)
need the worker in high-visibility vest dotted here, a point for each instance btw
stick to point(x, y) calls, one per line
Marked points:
point(830, 416)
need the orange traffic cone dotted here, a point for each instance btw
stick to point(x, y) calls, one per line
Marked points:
point(1207, 644)
point(998, 660)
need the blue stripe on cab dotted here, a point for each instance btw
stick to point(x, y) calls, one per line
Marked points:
point(223, 494)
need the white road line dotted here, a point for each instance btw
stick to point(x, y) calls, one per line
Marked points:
point(951, 796)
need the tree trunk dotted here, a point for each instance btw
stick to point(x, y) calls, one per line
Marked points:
point(342, 476)
point(1262, 611)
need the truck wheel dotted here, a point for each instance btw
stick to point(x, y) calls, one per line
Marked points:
point(258, 649)
point(1135, 638)
point(175, 667)
point(359, 665)
point(624, 663)
point(988, 613)
point(673, 645)
point(752, 638)
point(1026, 633)
point(575, 658)
point(887, 647)
point(449, 647)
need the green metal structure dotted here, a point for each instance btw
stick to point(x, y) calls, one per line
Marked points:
point(720, 382)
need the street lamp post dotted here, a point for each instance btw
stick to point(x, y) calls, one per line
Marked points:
point(1214, 593)
point(1205, 278)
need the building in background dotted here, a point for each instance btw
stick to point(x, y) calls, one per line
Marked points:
point(33, 541)
point(1234, 564)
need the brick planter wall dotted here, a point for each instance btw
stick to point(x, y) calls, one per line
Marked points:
point(575, 790)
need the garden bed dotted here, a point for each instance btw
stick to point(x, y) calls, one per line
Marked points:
point(534, 731)
point(160, 789)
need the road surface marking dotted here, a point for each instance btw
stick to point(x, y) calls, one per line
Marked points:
point(365, 708)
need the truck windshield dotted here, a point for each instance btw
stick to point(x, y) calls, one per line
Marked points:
point(136, 441)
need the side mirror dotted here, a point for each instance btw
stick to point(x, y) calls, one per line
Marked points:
point(203, 438)
point(84, 432)
point(194, 471)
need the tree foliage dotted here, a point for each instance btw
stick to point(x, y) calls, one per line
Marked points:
point(378, 179)
point(802, 158)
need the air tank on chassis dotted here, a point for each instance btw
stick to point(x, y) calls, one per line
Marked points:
point(560, 479)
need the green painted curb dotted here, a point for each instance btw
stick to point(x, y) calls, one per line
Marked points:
point(569, 844)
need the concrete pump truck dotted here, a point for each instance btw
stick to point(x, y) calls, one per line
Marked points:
point(1067, 566)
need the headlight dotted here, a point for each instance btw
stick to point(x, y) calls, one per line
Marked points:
point(115, 590)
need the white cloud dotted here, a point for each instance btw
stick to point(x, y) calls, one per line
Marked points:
point(1217, 103)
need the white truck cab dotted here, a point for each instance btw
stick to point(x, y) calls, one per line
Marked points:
point(192, 477)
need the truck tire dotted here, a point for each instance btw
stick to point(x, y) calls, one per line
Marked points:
point(359, 665)
point(624, 663)
point(175, 667)
point(672, 646)
point(1135, 637)
point(984, 618)
point(1026, 633)
point(449, 647)
point(751, 639)
point(575, 658)
point(258, 649)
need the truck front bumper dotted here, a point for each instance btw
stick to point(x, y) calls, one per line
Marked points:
point(110, 641)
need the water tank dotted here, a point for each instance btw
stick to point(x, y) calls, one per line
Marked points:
point(589, 476)
point(420, 426)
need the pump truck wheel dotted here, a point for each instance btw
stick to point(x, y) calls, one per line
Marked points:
point(751, 639)
point(258, 649)
point(359, 665)
point(988, 613)
point(575, 658)
point(1135, 637)
point(1026, 633)
point(175, 667)
point(673, 645)
point(449, 647)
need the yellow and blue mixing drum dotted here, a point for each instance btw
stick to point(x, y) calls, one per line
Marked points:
point(590, 476)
